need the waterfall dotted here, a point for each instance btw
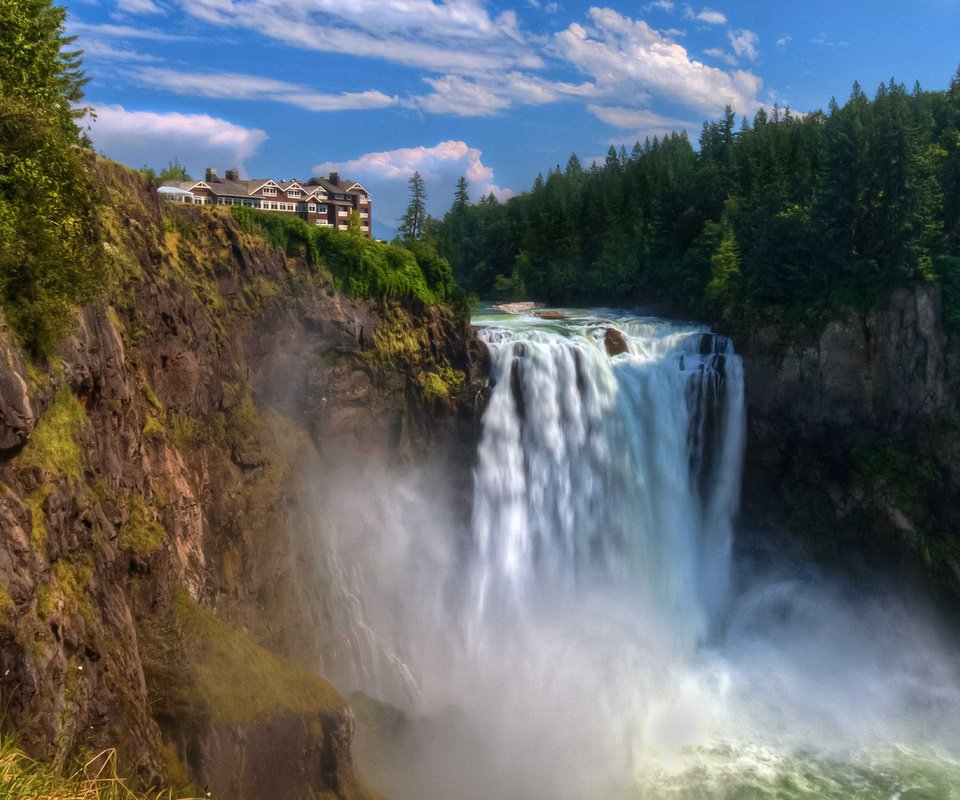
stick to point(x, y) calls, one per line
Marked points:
point(615, 471)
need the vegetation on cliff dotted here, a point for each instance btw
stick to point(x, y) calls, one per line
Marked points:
point(786, 217)
point(50, 256)
point(361, 267)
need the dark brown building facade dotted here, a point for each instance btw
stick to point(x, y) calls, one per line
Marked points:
point(322, 201)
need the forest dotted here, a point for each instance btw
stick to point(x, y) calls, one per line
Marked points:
point(776, 221)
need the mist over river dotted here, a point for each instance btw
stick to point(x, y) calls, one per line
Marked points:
point(595, 625)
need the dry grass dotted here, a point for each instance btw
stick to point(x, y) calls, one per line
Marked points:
point(23, 777)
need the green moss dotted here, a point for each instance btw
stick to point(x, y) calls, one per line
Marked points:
point(151, 397)
point(141, 533)
point(442, 382)
point(153, 428)
point(236, 680)
point(38, 526)
point(54, 447)
point(188, 431)
point(68, 590)
point(397, 339)
point(8, 609)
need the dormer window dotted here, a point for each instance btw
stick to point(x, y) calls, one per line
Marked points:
point(293, 193)
point(269, 191)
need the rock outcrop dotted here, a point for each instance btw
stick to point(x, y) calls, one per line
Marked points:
point(144, 471)
point(853, 434)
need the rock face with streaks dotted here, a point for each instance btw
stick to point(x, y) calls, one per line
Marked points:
point(144, 486)
point(852, 430)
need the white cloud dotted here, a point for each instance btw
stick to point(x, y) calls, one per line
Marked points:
point(630, 60)
point(706, 15)
point(469, 97)
point(95, 48)
point(661, 5)
point(147, 137)
point(552, 8)
point(139, 7)
point(109, 31)
point(716, 52)
point(783, 41)
point(638, 119)
point(235, 86)
point(744, 43)
point(385, 174)
point(450, 36)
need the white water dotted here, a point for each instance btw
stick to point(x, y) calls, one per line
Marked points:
point(581, 637)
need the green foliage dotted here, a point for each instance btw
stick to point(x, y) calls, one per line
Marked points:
point(141, 533)
point(174, 171)
point(908, 478)
point(50, 259)
point(359, 266)
point(54, 447)
point(784, 220)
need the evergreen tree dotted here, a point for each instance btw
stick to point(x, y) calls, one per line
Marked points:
point(461, 199)
point(412, 224)
point(49, 259)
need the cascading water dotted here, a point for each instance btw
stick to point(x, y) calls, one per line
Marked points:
point(619, 472)
point(583, 623)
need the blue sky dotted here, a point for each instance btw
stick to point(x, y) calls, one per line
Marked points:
point(497, 91)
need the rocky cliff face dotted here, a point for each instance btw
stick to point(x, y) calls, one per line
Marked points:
point(144, 497)
point(854, 432)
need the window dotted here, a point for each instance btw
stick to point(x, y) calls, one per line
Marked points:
point(321, 209)
point(269, 191)
point(293, 193)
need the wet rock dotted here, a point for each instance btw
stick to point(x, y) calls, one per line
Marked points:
point(615, 342)
point(550, 314)
point(16, 412)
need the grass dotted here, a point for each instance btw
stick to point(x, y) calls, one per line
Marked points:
point(54, 447)
point(141, 533)
point(235, 679)
point(23, 777)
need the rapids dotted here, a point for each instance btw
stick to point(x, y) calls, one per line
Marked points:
point(587, 629)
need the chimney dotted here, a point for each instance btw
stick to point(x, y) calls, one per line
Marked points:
point(232, 175)
point(335, 178)
point(210, 176)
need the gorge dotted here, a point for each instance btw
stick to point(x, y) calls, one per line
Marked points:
point(516, 553)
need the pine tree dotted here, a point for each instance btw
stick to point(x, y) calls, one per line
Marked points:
point(412, 223)
point(461, 199)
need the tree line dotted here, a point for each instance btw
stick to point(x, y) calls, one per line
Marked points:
point(782, 218)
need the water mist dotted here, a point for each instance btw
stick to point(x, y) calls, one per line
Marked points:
point(576, 634)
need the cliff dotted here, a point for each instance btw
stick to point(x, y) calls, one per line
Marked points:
point(854, 434)
point(145, 601)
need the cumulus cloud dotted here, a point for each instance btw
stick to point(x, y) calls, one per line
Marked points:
point(236, 86)
point(446, 36)
point(723, 55)
point(661, 5)
point(629, 59)
point(197, 140)
point(385, 174)
point(744, 43)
